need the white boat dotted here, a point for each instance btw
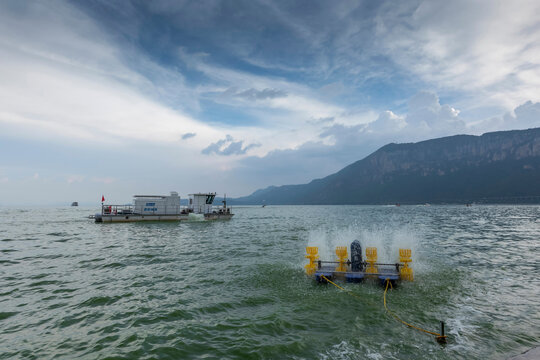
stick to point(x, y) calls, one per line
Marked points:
point(165, 208)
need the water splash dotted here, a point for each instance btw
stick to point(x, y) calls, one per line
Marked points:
point(195, 217)
point(387, 240)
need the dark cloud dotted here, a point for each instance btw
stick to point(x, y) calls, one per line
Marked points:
point(188, 136)
point(304, 36)
point(228, 147)
point(370, 52)
point(291, 166)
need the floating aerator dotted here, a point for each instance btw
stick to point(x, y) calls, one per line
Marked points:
point(341, 252)
point(312, 255)
point(371, 259)
point(405, 272)
point(355, 269)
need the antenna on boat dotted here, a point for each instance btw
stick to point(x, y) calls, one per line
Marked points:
point(224, 201)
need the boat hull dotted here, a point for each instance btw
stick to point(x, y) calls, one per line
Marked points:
point(106, 218)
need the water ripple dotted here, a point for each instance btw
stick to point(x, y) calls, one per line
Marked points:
point(236, 289)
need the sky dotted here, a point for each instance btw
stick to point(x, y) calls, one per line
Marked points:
point(115, 98)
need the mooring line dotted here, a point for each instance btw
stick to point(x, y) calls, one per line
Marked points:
point(347, 291)
point(440, 338)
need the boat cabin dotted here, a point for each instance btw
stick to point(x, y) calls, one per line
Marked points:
point(157, 204)
point(163, 205)
point(201, 202)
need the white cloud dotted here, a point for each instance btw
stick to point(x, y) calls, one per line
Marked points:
point(387, 122)
point(489, 50)
point(75, 179)
point(103, 180)
point(426, 119)
point(524, 116)
point(299, 102)
point(62, 79)
point(65, 80)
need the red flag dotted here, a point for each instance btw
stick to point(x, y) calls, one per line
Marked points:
point(102, 198)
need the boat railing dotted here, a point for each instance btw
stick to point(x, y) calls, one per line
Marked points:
point(221, 210)
point(162, 210)
point(116, 209)
point(110, 209)
point(205, 209)
point(126, 209)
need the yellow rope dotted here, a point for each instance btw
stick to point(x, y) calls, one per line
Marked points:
point(347, 291)
point(439, 336)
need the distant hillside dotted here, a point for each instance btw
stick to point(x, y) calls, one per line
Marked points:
point(498, 167)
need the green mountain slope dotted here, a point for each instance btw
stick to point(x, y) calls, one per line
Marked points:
point(495, 167)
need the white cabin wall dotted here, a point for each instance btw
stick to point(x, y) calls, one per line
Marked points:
point(157, 205)
point(199, 205)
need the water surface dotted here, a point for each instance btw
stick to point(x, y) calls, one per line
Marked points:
point(70, 288)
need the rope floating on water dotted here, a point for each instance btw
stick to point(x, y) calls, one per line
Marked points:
point(347, 291)
point(440, 337)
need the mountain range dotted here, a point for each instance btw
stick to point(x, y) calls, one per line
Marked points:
point(496, 167)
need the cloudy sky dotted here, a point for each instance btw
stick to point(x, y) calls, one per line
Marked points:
point(123, 97)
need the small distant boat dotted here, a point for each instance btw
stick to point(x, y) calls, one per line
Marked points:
point(75, 203)
point(165, 208)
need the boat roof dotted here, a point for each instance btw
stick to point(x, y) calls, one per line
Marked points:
point(150, 196)
point(205, 194)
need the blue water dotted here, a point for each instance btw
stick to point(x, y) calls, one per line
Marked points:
point(70, 288)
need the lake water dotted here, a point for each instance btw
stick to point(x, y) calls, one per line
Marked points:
point(70, 288)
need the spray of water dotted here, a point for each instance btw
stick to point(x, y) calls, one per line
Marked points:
point(195, 217)
point(387, 240)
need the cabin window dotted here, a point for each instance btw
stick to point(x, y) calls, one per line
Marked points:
point(151, 204)
point(210, 199)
